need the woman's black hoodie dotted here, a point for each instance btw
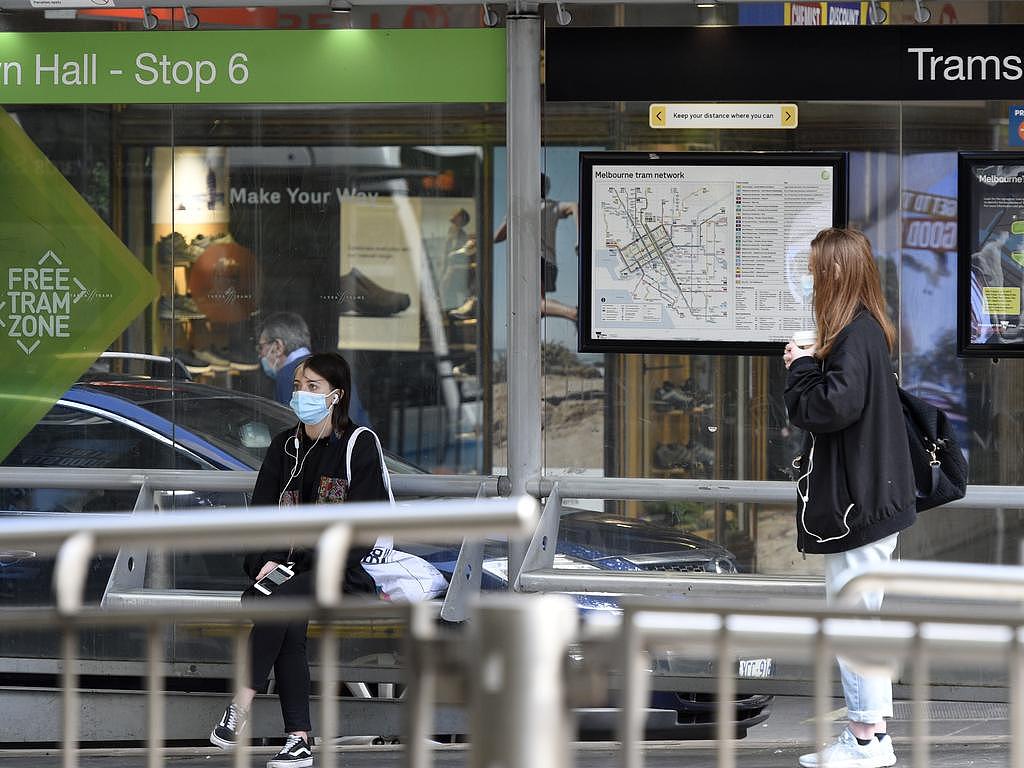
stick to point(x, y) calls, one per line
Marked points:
point(855, 485)
point(322, 480)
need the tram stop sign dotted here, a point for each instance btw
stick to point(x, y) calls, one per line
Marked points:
point(70, 286)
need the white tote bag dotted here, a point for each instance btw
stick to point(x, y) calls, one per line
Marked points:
point(399, 576)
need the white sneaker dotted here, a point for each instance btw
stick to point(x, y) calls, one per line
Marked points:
point(845, 752)
point(887, 749)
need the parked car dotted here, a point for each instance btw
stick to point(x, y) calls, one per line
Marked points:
point(114, 421)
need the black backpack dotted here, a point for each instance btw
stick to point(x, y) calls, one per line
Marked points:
point(940, 469)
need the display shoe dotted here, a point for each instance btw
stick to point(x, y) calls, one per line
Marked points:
point(467, 311)
point(181, 309)
point(172, 249)
point(201, 242)
point(192, 363)
point(360, 295)
point(241, 360)
point(681, 397)
point(216, 361)
point(692, 456)
point(672, 397)
point(667, 456)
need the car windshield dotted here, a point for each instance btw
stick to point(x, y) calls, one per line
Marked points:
point(239, 424)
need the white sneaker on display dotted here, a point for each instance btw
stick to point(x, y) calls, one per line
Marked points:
point(845, 752)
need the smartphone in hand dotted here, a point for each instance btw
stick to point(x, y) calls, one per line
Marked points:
point(274, 579)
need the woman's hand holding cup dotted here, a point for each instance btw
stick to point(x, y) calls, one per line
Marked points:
point(803, 344)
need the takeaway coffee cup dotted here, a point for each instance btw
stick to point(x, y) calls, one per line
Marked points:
point(805, 339)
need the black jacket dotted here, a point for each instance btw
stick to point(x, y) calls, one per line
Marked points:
point(322, 480)
point(855, 484)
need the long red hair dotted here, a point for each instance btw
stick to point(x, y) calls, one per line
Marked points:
point(845, 279)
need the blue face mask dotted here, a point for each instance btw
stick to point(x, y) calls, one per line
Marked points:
point(312, 408)
point(268, 368)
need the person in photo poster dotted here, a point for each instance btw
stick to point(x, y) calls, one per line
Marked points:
point(304, 464)
point(458, 274)
point(551, 212)
point(855, 484)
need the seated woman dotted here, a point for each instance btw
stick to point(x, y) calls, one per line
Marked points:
point(302, 466)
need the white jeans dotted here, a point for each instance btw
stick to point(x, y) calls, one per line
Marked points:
point(868, 698)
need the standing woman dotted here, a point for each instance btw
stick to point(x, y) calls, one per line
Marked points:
point(855, 486)
point(304, 465)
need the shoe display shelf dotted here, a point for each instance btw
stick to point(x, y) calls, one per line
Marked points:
point(676, 406)
point(184, 331)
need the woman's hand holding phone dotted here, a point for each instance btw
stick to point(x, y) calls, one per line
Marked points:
point(274, 578)
point(270, 565)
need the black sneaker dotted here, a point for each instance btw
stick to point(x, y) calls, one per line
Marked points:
point(296, 753)
point(360, 295)
point(225, 734)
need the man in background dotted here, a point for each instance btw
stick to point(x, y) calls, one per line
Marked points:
point(283, 343)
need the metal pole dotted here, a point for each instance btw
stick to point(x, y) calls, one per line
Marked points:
point(726, 695)
point(155, 696)
point(328, 695)
point(1016, 661)
point(421, 687)
point(920, 695)
point(522, 120)
point(822, 689)
point(633, 715)
point(240, 759)
point(69, 680)
point(519, 711)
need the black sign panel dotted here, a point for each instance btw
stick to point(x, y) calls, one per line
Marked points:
point(990, 277)
point(785, 63)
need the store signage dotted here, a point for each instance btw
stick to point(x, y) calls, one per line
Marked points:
point(784, 63)
point(723, 116)
point(273, 66)
point(70, 286)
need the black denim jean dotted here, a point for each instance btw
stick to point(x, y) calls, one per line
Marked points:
point(282, 647)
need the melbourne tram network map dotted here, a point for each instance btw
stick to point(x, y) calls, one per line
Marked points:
point(704, 252)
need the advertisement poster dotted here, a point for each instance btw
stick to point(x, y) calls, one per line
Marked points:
point(382, 252)
point(701, 253)
point(991, 254)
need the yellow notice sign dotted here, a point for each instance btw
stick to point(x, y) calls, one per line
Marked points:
point(1001, 301)
point(723, 116)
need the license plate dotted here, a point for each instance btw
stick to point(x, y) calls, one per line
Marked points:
point(756, 668)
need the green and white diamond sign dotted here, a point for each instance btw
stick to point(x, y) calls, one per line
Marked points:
point(69, 285)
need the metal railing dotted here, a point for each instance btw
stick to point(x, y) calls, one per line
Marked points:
point(513, 652)
point(330, 528)
point(537, 573)
point(798, 632)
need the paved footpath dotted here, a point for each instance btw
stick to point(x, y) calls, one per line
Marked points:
point(963, 735)
point(663, 755)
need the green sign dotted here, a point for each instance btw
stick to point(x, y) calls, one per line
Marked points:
point(273, 66)
point(70, 286)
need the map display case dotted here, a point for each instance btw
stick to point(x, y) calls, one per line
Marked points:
point(701, 252)
point(991, 254)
